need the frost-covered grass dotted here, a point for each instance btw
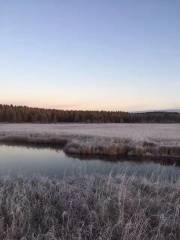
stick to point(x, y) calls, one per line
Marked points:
point(135, 204)
point(140, 140)
point(89, 208)
point(135, 132)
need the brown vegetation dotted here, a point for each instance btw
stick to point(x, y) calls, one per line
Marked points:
point(96, 146)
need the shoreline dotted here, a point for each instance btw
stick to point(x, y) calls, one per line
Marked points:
point(125, 142)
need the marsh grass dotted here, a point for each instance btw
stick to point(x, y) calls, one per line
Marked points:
point(119, 141)
point(89, 208)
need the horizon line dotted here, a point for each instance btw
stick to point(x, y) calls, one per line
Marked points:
point(90, 110)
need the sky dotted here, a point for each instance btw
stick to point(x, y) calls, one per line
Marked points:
point(90, 54)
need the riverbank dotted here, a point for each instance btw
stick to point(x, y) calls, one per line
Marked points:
point(127, 140)
point(89, 207)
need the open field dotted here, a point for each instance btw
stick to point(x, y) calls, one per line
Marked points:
point(137, 132)
point(89, 208)
point(146, 140)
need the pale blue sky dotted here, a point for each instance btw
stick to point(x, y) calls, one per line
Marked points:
point(90, 54)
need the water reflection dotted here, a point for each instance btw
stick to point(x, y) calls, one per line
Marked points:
point(21, 160)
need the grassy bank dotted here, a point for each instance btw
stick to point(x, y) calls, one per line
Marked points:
point(96, 146)
point(91, 207)
point(119, 140)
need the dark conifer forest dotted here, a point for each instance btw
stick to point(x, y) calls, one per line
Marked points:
point(24, 114)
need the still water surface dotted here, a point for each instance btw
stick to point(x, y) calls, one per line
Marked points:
point(28, 161)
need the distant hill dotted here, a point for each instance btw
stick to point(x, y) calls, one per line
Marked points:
point(173, 110)
point(23, 114)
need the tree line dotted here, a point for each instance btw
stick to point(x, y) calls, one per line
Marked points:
point(24, 114)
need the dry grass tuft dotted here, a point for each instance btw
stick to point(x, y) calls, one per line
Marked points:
point(88, 208)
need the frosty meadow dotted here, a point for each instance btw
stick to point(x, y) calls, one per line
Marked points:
point(139, 140)
point(135, 202)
